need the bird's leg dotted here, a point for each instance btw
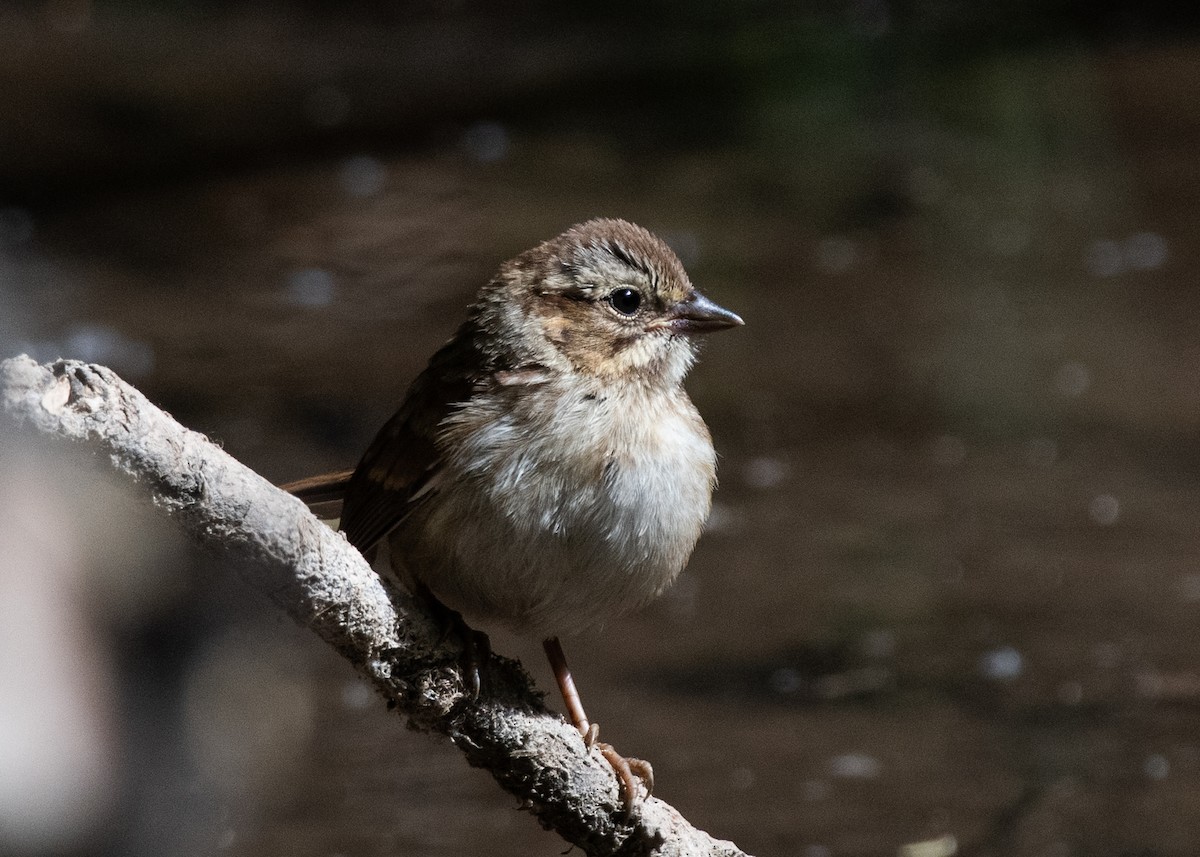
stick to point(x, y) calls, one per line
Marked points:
point(627, 770)
point(477, 646)
point(566, 686)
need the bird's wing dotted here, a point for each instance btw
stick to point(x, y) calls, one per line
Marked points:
point(401, 464)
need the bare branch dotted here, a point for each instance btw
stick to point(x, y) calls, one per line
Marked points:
point(280, 549)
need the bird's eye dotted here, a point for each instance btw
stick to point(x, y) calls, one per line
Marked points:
point(625, 301)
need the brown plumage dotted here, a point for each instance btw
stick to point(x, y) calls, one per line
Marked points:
point(547, 471)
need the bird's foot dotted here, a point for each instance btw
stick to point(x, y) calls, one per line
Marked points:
point(477, 651)
point(629, 770)
point(477, 646)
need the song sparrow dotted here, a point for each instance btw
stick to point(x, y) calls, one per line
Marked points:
point(547, 470)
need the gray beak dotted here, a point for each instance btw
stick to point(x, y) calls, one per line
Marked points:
point(698, 314)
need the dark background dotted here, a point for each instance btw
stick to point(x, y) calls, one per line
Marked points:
point(950, 585)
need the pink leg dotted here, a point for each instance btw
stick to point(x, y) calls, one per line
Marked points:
point(627, 770)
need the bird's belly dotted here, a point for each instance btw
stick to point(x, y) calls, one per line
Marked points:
point(548, 540)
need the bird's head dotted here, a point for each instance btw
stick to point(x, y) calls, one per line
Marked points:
point(607, 299)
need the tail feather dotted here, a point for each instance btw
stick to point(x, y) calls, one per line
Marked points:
point(322, 491)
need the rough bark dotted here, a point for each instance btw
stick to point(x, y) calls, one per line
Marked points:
point(278, 547)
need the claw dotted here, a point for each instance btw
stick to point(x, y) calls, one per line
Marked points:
point(477, 651)
point(626, 774)
point(628, 771)
point(644, 771)
point(591, 735)
point(477, 646)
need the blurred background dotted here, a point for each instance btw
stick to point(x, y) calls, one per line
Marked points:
point(949, 592)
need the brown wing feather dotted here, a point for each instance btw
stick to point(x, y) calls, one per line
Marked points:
point(404, 455)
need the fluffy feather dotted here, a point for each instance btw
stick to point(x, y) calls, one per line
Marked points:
point(547, 469)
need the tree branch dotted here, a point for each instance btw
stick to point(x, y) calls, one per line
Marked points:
point(280, 549)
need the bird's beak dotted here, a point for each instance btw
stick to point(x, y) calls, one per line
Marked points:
point(698, 314)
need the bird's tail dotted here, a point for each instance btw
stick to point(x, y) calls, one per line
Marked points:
point(323, 494)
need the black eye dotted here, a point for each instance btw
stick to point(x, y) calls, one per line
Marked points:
point(625, 301)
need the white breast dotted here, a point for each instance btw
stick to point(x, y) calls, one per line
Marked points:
point(560, 513)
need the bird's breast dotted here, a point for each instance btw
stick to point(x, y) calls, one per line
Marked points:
point(563, 509)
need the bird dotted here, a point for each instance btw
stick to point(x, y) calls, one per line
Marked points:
point(547, 471)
